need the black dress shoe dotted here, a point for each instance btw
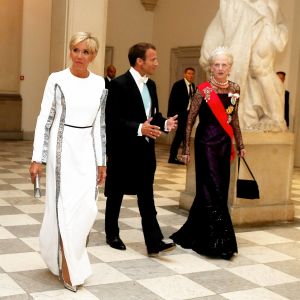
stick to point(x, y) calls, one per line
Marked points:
point(162, 247)
point(116, 243)
point(175, 161)
point(227, 255)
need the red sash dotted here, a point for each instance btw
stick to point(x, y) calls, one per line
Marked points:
point(218, 110)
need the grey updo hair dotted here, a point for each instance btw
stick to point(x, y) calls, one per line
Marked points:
point(220, 51)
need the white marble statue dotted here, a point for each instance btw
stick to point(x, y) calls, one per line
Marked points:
point(254, 31)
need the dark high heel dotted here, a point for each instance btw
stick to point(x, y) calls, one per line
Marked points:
point(227, 256)
point(87, 240)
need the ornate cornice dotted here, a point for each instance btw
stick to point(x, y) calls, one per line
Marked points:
point(149, 4)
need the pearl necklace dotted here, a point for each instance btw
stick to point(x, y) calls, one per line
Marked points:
point(218, 83)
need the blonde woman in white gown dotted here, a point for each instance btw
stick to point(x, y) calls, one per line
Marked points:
point(70, 139)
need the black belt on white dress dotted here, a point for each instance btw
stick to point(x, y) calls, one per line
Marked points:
point(80, 127)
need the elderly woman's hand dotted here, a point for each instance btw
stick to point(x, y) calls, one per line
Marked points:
point(185, 158)
point(242, 153)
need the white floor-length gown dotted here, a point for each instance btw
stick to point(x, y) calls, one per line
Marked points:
point(70, 140)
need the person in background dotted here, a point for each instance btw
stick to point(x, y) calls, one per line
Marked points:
point(179, 104)
point(110, 74)
point(281, 76)
point(208, 229)
point(133, 123)
point(70, 139)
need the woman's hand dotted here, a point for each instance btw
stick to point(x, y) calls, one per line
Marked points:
point(242, 153)
point(185, 158)
point(34, 169)
point(101, 175)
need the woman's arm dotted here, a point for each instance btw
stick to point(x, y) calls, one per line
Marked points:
point(195, 105)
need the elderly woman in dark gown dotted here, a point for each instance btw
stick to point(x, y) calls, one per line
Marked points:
point(208, 229)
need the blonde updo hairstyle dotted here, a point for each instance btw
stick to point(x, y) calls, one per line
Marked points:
point(91, 42)
point(220, 51)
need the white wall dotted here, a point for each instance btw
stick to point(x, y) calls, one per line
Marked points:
point(34, 59)
point(293, 48)
point(294, 80)
point(90, 16)
point(35, 65)
point(127, 24)
point(174, 23)
point(178, 24)
point(10, 33)
point(283, 63)
point(287, 60)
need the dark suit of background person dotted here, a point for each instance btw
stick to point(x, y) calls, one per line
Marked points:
point(131, 161)
point(110, 74)
point(179, 100)
point(281, 76)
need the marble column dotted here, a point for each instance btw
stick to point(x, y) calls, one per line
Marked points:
point(47, 28)
point(71, 16)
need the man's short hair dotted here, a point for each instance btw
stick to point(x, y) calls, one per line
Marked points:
point(189, 69)
point(138, 51)
point(281, 72)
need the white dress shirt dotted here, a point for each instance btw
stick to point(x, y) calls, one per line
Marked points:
point(140, 81)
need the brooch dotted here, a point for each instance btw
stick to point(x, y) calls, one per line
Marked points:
point(230, 108)
point(234, 97)
point(207, 91)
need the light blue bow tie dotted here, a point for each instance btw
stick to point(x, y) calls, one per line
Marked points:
point(146, 99)
point(144, 79)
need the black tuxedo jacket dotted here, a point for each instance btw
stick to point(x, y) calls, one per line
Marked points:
point(107, 82)
point(286, 107)
point(179, 98)
point(131, 158)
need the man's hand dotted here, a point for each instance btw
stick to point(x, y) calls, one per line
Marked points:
point(151, 131)
point(172, 123)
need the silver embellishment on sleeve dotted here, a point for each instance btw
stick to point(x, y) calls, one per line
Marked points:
point(103, 125)
point(48, 127)
point(102, 132)
point(59, 141)
point(58, 162)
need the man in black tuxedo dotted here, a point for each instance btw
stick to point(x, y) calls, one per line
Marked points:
point(133, 122)
point(179, 102)
point(110, 74)
point(281, 76)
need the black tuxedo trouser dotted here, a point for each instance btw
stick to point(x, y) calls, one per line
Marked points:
point(179, 135)
point(145, 199)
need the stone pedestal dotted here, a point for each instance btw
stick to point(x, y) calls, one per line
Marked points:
point(270, 157)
